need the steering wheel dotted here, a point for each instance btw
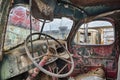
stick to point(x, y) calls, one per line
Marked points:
point(51, 52)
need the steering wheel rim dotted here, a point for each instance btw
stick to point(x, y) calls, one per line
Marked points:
point(40, 67)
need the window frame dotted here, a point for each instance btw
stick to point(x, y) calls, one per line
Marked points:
point(110, 20)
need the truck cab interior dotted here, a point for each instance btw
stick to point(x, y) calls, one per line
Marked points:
point(59, 39)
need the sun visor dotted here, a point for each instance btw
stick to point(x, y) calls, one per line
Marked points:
point(43, 10)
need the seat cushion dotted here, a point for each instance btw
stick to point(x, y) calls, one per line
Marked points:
point(96, 74)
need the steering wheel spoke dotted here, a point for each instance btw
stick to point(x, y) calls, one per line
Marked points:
point(62, 69)
point(64, 59)
point(38, 57)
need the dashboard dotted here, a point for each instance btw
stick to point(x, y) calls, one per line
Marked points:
point(18, 61)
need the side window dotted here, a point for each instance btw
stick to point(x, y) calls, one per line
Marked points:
point(95, 32)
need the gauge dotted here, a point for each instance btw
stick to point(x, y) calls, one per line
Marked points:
point(44, 48)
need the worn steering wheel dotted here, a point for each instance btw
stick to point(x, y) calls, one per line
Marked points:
point(49, 54)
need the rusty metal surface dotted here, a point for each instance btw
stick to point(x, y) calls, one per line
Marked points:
point(96, 2)
point(3, 22)
point(95, 59)
point(92, 8)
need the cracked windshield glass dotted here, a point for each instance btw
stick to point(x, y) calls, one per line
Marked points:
point(18, 27)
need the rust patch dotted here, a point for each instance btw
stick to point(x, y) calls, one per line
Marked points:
point(96, 2)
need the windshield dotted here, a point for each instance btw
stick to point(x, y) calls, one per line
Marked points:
point(18, 27)
point(58, 28)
